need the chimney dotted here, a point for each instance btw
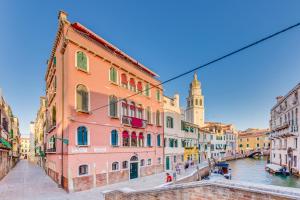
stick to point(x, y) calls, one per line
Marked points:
point(279, 98)
point(62, 16)
point(176, 100)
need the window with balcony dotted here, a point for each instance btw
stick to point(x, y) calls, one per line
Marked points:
point(113, 75)
point(82, 136)
point(81, 61)
point(83, 170)
point(125, 138)
point(114, 138)
point(141, 139)
point(132, 109)
point(170, 122)
point(82, 97)
point(133, 139)
point(140, 112)
point(115, 166)
point(113, 106)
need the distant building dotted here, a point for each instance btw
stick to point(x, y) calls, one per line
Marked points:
point(284, 134)
point(253, 140)
point(31, 155)
point(222, 141)
point(25, 146)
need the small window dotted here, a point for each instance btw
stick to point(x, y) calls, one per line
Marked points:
point(82, 62)
point(158, 118)
point(132, 85)
point(113, 75)
point(170, 122)
point(124, 81)
point(113, 106)
point(115, 166)
point(83, 170)
point(82, 97)
point(114, 138)
point(125, 164)
point(159, 161)
point(148, 113)
point(142, 162)
point(149, 161)
point(82, 136)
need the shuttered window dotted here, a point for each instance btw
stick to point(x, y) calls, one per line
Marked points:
point(114, 138)
point(149, 140)
point(113, 106)
point(82, 98)
point(81, 61)
point(158, 140)
point(113, 75)
point(147, 90)
point(82, 136)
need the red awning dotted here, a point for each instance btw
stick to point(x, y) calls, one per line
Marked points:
point(132, 107)
point(124, 104)
point(125, 134)
point(140, 86)
point(133, 135)
point(141, 136)
point(132, 82)
point(124, 79)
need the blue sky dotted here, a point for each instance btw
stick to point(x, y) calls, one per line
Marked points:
point(169, 38)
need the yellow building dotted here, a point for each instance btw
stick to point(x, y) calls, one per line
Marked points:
point(190, 141)
point(253, 139)
point(25, 147)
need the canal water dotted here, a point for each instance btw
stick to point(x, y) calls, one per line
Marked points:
point(253, 170)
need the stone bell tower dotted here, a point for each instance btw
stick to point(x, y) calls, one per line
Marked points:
point(195, 103)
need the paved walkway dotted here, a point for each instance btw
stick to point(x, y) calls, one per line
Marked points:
point(29, 182)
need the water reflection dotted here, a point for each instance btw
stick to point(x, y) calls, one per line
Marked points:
point(253, 170)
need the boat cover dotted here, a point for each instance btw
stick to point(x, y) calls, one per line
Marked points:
point(274, 167)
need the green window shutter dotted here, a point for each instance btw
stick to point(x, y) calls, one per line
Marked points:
point(81, 60)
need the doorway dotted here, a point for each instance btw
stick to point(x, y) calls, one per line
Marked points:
point(167, 163)
point(134, 167)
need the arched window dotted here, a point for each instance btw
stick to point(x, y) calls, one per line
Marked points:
point(141, 140)
point(158, 140)
point(125, 138)
point(132, 109)
point(82, 136)
point(124, 81)
point(200, 102)
point(113, 106)
point(196, 103)
point(125, 164)
point(149, 140)
point(115, 166)
point(83, 170)
point(158, 118)
point(82, 97)
point(113, 75)
point(134, 158)
point(132, 86)
point(81, 61)
point(114, 138)
point(133, 139)
point(169, 122)
point(140, 112)
point(124, 108)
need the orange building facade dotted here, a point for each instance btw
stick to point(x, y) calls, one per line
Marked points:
point(104, 112)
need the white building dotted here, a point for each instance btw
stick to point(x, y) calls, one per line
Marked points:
point(284, 133)
point(31, 155)
point(173, 135)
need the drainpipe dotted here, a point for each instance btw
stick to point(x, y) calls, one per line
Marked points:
point(62, 118)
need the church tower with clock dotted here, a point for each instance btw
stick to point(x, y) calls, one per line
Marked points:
point(195, 103)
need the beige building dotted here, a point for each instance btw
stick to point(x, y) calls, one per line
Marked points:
point(252, 140)
point(25, 146)
point(284, 135)
point(39, 131)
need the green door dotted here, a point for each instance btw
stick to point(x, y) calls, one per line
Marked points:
point(167, 163)
point(133, 170)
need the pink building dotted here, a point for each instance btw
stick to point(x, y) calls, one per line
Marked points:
point(95, 135)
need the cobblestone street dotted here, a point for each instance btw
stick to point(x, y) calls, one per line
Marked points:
point(29, 182)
